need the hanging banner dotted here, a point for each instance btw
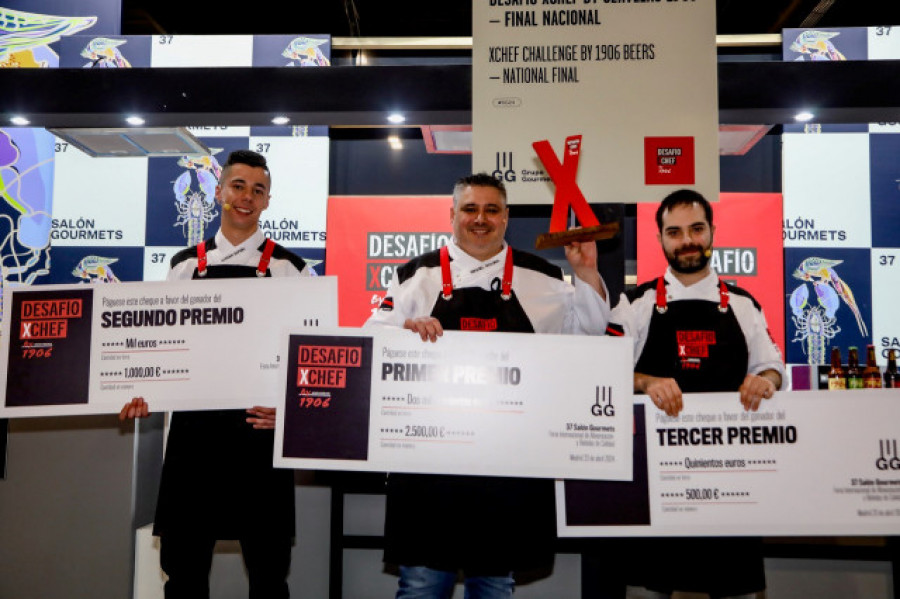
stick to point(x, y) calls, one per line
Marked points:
point(749, 257)
point(638, 82)
point(369, 237)
point(149, 208)
point(802, 465)
point(32, 29)
point(841, 223)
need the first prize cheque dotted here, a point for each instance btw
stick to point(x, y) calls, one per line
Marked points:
point(807, 463)
point(183, 345)
point(499, 404)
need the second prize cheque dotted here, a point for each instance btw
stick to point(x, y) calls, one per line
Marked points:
point(182, 345)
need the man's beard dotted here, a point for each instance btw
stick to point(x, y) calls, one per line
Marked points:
point(688, 265)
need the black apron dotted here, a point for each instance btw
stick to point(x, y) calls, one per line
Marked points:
point(217, 478)
point(483, 525)
point(701, 345)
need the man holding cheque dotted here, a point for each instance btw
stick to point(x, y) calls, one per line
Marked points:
point(485, 526)
point(236, 494)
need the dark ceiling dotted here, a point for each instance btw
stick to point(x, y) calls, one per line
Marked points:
point(753, 89)
point(431, 18)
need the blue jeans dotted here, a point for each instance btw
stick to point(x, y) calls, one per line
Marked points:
point(419, 582)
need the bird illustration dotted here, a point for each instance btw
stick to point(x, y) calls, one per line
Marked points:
point(814, 267)
point(207, 162)
point(22, 31)
point(103, 53)
point(817, 45)
point(821, 270)
point(96, 269)
point(306, 51)
point(843, 290)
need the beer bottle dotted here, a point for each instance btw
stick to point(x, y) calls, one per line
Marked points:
point(891, 378)
point(854, 376)
point(837, 378)
point(871, 374)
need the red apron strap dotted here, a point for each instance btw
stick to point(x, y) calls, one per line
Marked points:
point(201, 259)
point(506, 288)
point(264, 259)
point(446, 278)
point(723, 297)
point(661, 303)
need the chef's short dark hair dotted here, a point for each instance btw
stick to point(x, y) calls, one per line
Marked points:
point(248, 157)
point(477, 180)
point(683, 197)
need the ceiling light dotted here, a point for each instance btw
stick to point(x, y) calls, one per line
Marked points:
point(395, 142)
point(19, 120)
point(134, 120)
point(396, 118)
point(281, 120)
point(804, 116)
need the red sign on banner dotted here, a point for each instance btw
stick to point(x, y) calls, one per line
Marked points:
point(669, 161)
point(370, 236)
point(747, 250)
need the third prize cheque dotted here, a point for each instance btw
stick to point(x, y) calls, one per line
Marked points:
point(807, 463)
point(499, 404)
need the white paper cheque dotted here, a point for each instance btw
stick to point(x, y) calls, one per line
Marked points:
point(502, 404)
point(807, 463)
point(182, 345)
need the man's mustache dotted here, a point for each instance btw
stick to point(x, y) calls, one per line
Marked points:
point(689, 248)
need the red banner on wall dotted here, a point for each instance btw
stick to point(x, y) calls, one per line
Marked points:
point(370, 236)
point(747, 249)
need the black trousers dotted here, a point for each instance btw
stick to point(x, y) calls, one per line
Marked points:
point(186, 560)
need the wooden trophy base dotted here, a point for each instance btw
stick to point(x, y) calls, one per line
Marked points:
point(553, 240)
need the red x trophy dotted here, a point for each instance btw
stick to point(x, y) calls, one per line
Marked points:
point(568, 194)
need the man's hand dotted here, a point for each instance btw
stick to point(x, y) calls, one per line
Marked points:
point(754, 389)
point(428, 327)
point(261, 417)
point(136, 408)
point(582, 256)
point(663, 392)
